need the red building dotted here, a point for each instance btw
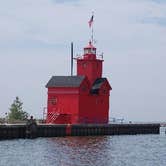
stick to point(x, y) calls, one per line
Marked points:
point(83, 98)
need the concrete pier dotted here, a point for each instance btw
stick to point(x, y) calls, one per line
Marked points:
point(45, 130)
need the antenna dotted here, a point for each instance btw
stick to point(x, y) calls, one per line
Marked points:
point(71, 58)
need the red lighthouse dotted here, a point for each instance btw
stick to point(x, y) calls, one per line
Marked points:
point(83, 98)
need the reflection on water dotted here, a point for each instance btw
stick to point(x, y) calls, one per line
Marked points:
point(85, 151)
point(81, 150)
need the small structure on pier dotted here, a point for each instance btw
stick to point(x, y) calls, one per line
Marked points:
point(83, 98)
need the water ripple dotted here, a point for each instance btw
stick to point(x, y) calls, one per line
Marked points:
point(147, 150)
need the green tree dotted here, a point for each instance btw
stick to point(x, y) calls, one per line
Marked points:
point(16, 111)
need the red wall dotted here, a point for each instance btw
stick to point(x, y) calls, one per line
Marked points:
point(93, 109)
point(66, 104)
point(90, 68)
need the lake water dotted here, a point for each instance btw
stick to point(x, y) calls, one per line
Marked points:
point(135, 150)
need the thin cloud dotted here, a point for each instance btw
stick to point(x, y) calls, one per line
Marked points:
point(65, 1)
point(159, 1)
point(155, 20)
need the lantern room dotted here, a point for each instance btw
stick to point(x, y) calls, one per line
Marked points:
point(90, 51)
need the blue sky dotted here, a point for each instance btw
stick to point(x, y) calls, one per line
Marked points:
point(35, 41)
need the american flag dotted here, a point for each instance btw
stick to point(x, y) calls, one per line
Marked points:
point(90, 21)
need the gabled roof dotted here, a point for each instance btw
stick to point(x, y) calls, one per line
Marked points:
point(97, 85)
point(65, 81)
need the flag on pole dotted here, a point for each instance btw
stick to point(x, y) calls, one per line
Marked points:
point(90, 22)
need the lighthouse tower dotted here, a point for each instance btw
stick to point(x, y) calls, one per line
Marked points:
point(89, 65)
point(83, 98)
point(94, 107)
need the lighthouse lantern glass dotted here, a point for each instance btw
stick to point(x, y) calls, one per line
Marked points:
point(90, 51)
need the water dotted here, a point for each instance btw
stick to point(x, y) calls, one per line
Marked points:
point(140, 150)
